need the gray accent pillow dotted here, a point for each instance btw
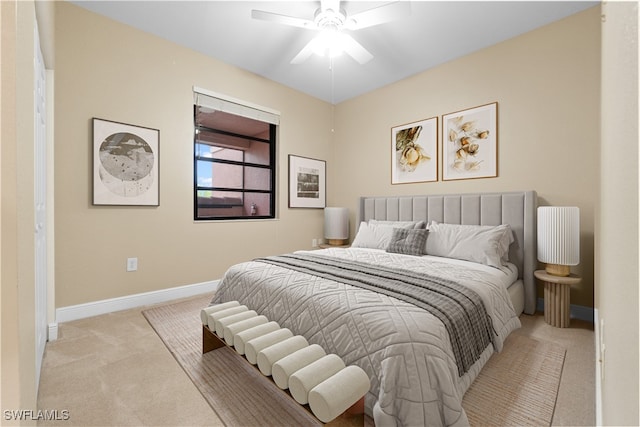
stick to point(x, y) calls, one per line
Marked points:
point(408, 241)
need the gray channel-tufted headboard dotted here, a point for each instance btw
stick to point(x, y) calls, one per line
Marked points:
point(518, 209)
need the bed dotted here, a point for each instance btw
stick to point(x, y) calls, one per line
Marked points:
point(373, 304)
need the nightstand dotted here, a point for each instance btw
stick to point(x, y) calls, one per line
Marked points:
point(556, 297)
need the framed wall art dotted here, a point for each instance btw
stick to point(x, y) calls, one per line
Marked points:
point(414, 152)
point(470, 143)
point(125, 164)
point(307, 182)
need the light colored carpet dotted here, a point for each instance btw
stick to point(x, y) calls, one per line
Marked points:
point(113, 370)
point(518, 386)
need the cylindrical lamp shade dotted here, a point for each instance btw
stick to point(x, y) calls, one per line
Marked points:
point(336, 225)
point(559, 238)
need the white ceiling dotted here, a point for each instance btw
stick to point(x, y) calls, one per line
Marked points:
point(434, 33)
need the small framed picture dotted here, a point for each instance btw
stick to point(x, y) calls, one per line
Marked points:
point(414, 152)
point(470, 143)
point(307, 182)
point(125, 164)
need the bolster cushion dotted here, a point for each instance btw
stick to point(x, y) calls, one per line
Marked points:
point(283, 368)
point(213, 317)
point(231, 330)
point(253, 347)
point(303, 380)
point(205, 312)
point(337, 393)
point(270, 355)
point(241, 338)
point(230, 320)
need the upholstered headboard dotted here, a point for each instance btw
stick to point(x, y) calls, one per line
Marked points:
point(518, 209)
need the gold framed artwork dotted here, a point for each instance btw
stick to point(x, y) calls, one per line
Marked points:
point(414, 152)
point(470, 143)
point(125, 164)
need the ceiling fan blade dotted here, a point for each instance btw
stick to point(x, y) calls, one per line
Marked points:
point(282, 19)
point(355, 49)
point(305, 53)
point(379, 15)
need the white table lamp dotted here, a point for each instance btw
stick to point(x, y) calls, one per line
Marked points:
point(336, 226)
point(558, 238)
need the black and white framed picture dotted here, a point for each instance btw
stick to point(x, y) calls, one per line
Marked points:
point(307, 182)
point(125, 164)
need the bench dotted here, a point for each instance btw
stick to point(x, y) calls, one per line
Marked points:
point(319, 382)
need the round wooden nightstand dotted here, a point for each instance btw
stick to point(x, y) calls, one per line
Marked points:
point(556, 297)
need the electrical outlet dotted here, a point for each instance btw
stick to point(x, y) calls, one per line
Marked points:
point(132, 264)
point(314, 243)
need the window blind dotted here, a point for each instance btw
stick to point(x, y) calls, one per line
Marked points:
point(214, 101)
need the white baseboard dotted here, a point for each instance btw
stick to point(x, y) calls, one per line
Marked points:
point(52, 332)
point(598, 369)
point(575, 311)
point(95, 308)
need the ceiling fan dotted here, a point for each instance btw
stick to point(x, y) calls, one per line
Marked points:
point(330, 21)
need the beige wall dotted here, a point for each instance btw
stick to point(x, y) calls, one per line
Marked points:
point(111, 71)
point(617, 232)
point(546, 83)
point(17, 345)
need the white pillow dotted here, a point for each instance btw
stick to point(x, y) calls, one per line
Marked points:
point(399, 224)
point(375, 236)
point(483, 244)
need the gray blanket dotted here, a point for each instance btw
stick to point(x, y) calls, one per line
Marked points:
point(459, 308)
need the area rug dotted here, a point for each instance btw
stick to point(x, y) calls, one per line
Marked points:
point(518, 386)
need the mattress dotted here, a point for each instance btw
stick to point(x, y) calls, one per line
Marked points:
point(516, 293)
point(405, 350)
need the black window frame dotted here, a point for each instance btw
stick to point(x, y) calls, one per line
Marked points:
point(272, 166)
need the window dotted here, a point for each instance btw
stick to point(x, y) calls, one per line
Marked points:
point(234, 160)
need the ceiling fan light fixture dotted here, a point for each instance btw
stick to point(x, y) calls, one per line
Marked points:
point(330, 20)
point(329, 43)
point(334, 51)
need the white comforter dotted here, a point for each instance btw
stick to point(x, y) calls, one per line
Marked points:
point(405, 350)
